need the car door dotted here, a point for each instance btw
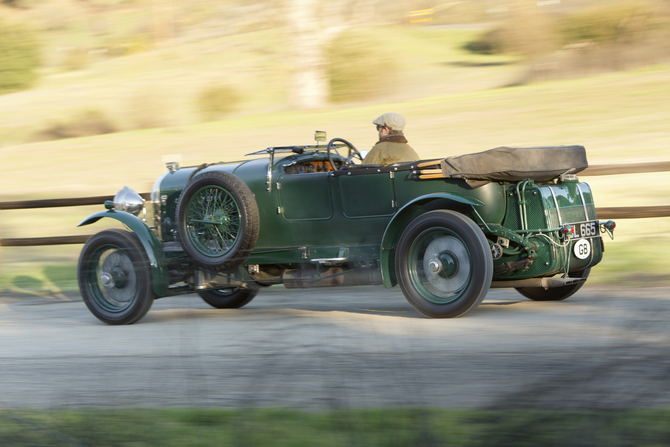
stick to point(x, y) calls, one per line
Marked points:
point(305, 196)
point(369, 194)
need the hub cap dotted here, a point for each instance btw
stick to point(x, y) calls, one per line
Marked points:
point(439, 265)
point(213, 221)
point(113, 280)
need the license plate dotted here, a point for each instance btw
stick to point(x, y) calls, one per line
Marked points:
point(586, 229)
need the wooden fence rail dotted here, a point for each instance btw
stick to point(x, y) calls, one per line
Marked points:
point(55, 203)
point(637, 168)
point(631, 212)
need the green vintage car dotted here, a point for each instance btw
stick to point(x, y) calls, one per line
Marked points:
point(444, 230)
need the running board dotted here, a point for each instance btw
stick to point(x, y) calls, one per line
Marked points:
point(545, 283)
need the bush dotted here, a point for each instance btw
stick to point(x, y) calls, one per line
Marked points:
point(19, 56)
point(624, 21)
point(525, 34)
point(85, 123)
point(216, 101)
point(361, 67)
point(75, 59)
point(127, 46)
point(533, 35)
point(149, 107)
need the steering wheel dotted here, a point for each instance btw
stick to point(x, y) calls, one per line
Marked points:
point(353, 152)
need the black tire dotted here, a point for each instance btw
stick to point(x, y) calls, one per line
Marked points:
point(115, 278)
point(556, 293)
point(217, 220)
point(228, 298)
point(455, 247)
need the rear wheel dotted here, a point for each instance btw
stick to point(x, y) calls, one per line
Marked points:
point(114, 277)
point(555, 293)
point(443, 264)
point(233, 298)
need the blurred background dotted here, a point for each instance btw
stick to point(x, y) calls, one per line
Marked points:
point(98, 94)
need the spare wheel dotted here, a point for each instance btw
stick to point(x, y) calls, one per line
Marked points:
point(217, 220)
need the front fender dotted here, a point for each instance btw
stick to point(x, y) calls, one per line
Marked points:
point(402, 218)
point(149, 241)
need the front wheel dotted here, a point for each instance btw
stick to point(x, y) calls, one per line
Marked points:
point(114, 277)
point(228, 298)
point(443, 264)
point(556, 293)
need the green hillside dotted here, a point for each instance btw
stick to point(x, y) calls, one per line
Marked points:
point(455, 102)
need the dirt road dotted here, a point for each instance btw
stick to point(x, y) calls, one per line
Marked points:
point(341, 348)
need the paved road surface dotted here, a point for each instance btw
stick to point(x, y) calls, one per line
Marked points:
point(341, 348)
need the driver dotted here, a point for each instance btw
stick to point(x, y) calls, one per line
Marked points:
point(392, 146)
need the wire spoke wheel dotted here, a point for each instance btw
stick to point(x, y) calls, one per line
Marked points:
point(217, 220)
point(213, 221)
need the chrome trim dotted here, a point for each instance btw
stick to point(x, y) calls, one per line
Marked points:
point(271, 151)
point(558, 210)
point(324, 260)
point(129, 201)
point(586, 212)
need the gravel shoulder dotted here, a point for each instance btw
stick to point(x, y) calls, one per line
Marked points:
point(341, 348)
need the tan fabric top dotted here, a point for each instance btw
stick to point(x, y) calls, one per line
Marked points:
point(386, 153)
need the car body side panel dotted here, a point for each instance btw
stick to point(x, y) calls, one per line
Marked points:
point(319, 211)
point(308, 215)
point(492, 195)
point(308, 210)
point(305, 197)
point(364, 196)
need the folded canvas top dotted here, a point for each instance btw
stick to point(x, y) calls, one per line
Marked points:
point(513, 164)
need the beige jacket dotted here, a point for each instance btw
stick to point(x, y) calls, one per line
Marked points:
point(389, 150)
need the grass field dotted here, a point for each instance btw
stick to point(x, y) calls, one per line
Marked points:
point(387, 428)
point(455, 103)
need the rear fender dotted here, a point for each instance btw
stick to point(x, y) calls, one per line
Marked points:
point(149, 241)
point(404, 216)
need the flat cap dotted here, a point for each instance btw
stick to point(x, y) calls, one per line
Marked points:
point(393, 121)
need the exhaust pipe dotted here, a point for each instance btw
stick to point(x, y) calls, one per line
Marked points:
point(334, 276)
point(545, 283)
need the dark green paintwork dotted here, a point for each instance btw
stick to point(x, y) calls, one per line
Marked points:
point(549, 259)
point(363, 196)
point(152, 246)
point(318, 215)
point(360, 216)
point(296, 190)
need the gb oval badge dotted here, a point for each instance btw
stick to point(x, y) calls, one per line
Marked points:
point(582, 248)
